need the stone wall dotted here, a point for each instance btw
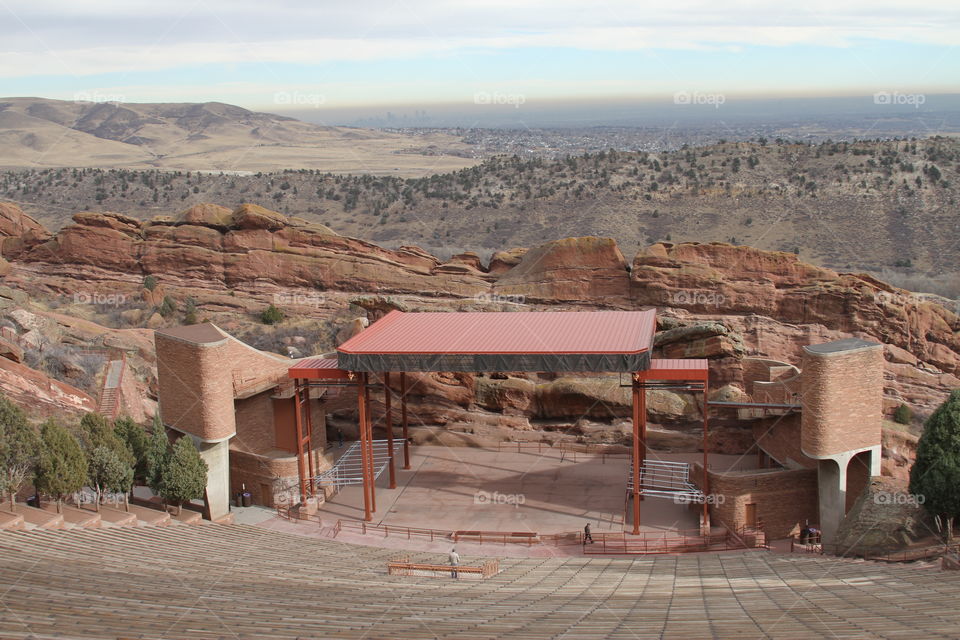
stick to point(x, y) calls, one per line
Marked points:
point(783, 499)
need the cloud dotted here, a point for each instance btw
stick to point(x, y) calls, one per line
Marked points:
point(66, 37)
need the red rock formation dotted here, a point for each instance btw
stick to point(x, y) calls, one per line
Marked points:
point(588, 271)
point(256, 244)
point(719, 279)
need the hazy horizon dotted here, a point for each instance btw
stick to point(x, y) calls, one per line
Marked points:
point(476, 54)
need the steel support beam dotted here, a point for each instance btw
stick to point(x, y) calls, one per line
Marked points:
point(403, 420)
point(637, 452)
point(706, 458)
point(298, 422)
point(364, 446)
point(388, 424)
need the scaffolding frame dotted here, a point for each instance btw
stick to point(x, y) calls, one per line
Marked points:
point(348, 469)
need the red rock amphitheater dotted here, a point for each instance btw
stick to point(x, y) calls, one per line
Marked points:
point(361, 549)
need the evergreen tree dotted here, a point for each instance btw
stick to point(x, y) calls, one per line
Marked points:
point(61, 466)
point(184, 474)
point(137, 442)
point(158, 450)
point(935, 474)
point(19, 446)
point(108, 472)
point(96, 431)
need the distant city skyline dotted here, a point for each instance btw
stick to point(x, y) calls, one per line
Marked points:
point(498, 53)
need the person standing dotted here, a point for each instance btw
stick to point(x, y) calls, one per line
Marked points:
point(586, 534)
point(454, 563)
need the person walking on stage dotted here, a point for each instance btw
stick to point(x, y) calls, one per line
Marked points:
point(586, 534)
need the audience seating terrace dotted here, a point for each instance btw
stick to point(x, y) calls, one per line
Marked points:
point(242, 581)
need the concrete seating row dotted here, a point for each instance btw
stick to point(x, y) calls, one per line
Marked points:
point(241, 581)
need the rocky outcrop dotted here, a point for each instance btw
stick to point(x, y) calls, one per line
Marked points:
point(585, 271)
point(721, 279)
point(252, 244)
point(18, 231)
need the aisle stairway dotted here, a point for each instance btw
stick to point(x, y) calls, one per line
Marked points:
point(241, 581)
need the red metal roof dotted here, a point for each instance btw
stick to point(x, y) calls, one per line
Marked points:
point(677, 369)
point(535, 332)
point(317, 369)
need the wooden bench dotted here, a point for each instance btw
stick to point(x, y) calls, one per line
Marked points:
point(403, 567)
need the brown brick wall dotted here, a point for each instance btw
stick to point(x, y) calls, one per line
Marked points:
point(842, 401)
point(278, 474)
point(194, 388)
point(780, 438)
point(255, 423)
point(783, 498)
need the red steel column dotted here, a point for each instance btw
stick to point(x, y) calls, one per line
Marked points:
point(370, 458)
point(403, 419)
point(637, 453)
point(298, 422)
point(388, 419)
point(364, 452)
point(309, 438)
point(706, 476)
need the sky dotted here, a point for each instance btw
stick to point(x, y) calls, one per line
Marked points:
point(277, 55)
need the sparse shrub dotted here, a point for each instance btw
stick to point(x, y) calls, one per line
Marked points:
point(168, 307)
point(271, 315)
point(150, 283)
point(903, 414)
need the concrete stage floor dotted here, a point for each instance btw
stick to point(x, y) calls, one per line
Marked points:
point(452, 488)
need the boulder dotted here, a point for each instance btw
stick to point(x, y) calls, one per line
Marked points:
point(208, 215)
point(503, 261)
point(884, 519)
point(252, 216)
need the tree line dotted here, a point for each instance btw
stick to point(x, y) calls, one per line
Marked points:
point(106, 457)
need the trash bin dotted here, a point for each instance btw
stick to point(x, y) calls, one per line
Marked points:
point(246, 499)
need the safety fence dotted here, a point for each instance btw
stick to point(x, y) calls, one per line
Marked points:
point(601, 543)
point(927, 552)
point(566, 450)
point(657, 542)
